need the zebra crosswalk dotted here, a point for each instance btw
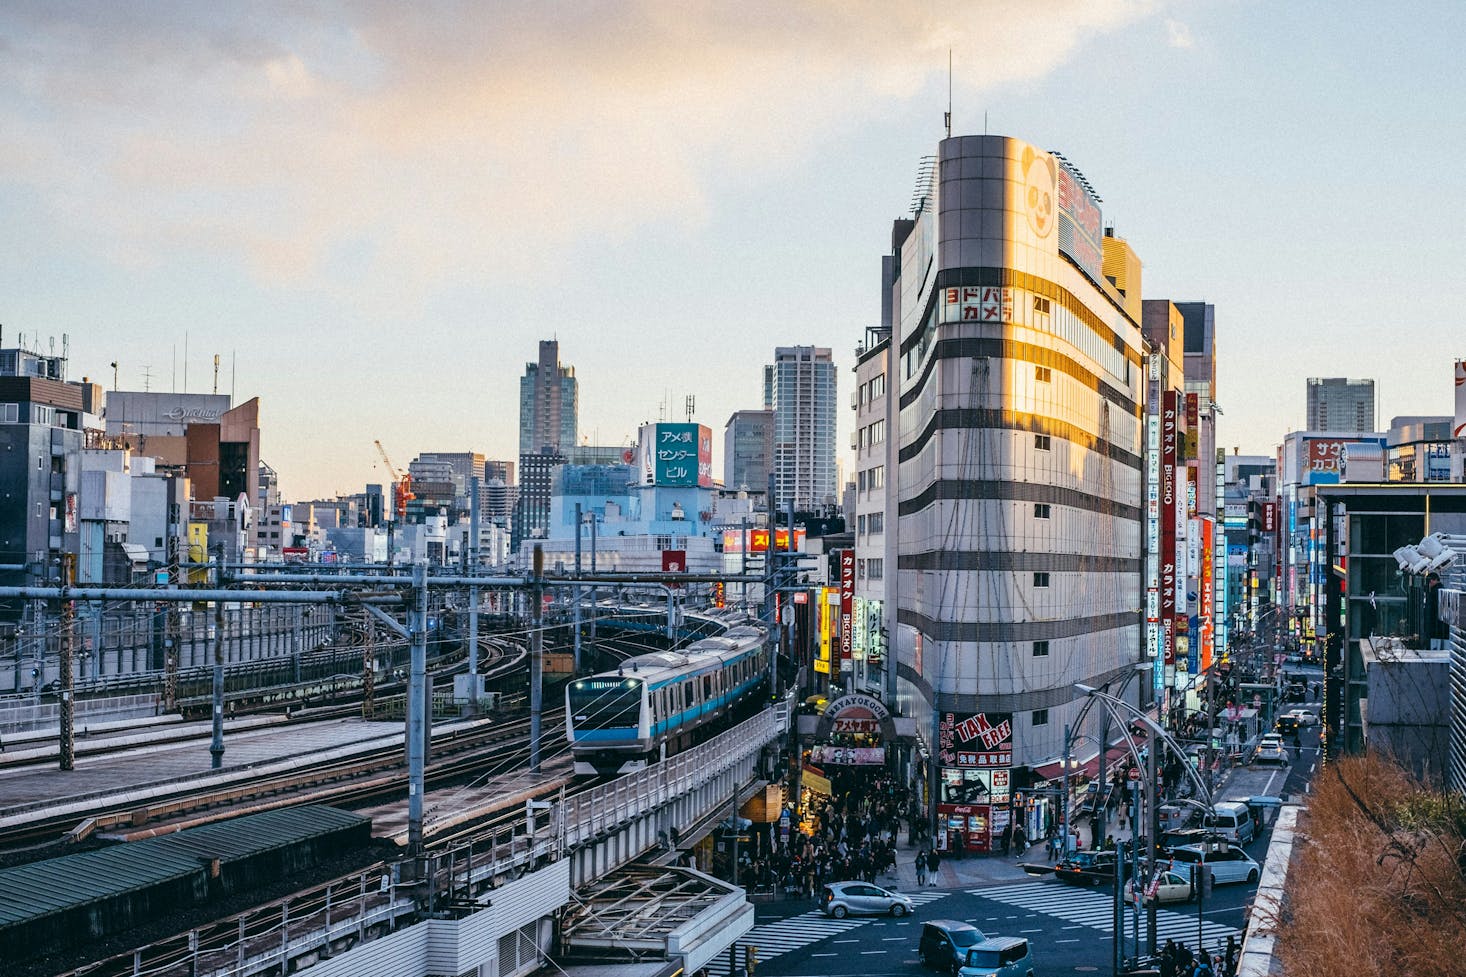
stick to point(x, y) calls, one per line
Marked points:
point(1096, 910)
point(782, 936)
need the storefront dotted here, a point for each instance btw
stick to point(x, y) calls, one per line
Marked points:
point(975, 780)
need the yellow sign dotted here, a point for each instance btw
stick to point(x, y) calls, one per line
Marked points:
point(826, 625)
point(816, 783)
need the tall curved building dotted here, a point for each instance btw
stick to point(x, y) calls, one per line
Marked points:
point(1017, 364)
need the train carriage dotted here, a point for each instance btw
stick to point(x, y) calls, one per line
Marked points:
point(658, 704)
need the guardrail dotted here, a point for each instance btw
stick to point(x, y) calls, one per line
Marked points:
point(603, 808)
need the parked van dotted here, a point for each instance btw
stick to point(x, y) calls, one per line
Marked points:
point(1230, 819)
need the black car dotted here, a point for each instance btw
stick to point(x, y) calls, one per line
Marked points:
point(1088, 868)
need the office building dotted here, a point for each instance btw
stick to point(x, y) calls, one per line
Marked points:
point(548, 406)
point(1014, 423)
point(1338, 404)
point(748, 450)
point(799, 387)
point(548, 402)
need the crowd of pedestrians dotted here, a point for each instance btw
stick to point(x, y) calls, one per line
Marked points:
point(850, 836)
point(1177, 960)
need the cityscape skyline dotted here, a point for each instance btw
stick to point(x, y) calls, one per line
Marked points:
point(698, 144)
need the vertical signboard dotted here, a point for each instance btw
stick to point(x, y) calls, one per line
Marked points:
point(847, 608)
point(825, 616)
point(1458, 428)
point(1169, 497)
point(1207, 611)
point(674, 561)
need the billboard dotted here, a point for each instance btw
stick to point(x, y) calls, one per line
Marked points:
point(682, 455)
point(977, 303)
point(1325, 458)
point(979, 740)
point(827, 615)
point(758, 540)
point(1080, 231)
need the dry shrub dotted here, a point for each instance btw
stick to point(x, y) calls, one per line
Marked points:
point(1376, 886)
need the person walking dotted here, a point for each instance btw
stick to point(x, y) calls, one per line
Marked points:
point(921, 867)
point(1020, 840)
point(933, 861)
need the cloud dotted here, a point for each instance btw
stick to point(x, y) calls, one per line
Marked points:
point(1178, 34)
point(449, 141)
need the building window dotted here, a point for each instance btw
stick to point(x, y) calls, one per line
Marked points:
point(1041, 579)
point(875, 569)
point(878, 477)
point(860, 481)
point(1040, 717)
point(877, 522)
point(1040, 510)
point(1041, 442)
point(1040, 649)
point(1044, 374)
point(859, 569)
point(1041, 304)
point(860, 523)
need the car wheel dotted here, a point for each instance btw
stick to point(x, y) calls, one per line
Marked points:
point(898, 909)
point(1252, 876)
point(839, 912)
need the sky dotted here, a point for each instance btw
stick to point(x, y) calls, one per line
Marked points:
point(373, 211)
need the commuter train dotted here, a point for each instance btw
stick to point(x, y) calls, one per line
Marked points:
point(658, 704)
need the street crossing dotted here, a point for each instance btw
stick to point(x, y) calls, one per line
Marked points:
point(782, 936)
point(1096, 910)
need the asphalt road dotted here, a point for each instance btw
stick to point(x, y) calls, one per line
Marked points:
point(1071, 928)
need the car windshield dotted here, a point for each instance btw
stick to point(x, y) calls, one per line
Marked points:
point(966, 937)
point(983, 958)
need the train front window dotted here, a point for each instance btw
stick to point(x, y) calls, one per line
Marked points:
point(605, 703)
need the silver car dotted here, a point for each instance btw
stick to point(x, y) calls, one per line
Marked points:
point(841, 899)
point(1226, 863)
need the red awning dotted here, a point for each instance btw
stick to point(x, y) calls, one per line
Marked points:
point(1054, 770)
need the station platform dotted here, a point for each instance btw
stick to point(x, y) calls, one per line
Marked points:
point(150, 760)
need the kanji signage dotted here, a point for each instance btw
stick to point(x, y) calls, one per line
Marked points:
point(975, 740)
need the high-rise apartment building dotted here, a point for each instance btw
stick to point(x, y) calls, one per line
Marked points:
point(548, 402)
point(548, 407)
point(748, 450)
point(1013, 417)
point(799, 387)
point(1340, 404)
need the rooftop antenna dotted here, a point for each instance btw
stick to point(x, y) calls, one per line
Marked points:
point(185, 361)
point(114, 375)
point(216, 373)
point(947, 116)
point(233, 362)
point(147, 378)
point(691, 406)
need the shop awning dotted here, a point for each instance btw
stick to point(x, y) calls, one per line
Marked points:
point(136, 552)
point(1054, 769)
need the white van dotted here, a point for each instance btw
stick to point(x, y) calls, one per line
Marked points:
point(1230, 819)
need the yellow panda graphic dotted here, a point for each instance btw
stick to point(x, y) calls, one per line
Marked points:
point(1039, 178)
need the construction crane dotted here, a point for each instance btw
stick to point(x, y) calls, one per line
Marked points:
point(402, 487)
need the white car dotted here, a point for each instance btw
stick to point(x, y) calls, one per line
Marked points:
point(1165, 887)
point(1303, 716)
point(1227, 863)
point(1270, 750)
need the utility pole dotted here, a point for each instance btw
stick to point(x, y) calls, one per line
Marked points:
point(68, 701)
point(536, 657)
point(416, 720)
point(170, 628)
point(576, 623)
point(593, 595)
point(473, 565)
point(216, 747)
point(369, 668)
